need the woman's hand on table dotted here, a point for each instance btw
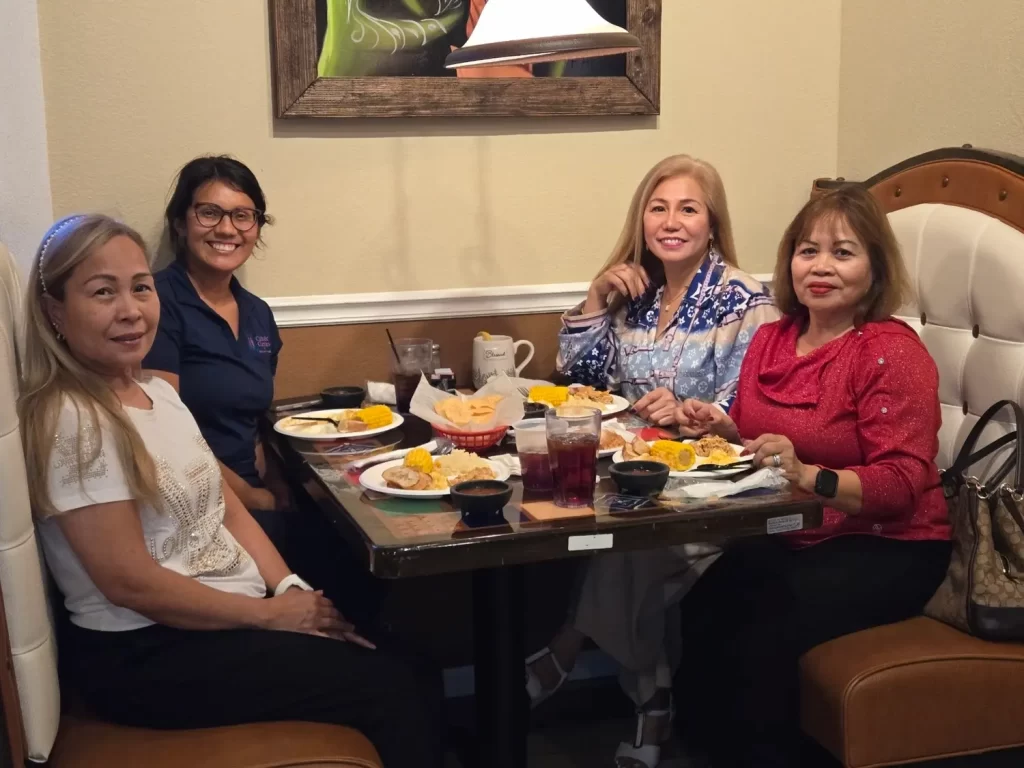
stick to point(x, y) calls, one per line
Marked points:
point(777, 451)
point(628, 280)
point(658, 407)
point(696, 418)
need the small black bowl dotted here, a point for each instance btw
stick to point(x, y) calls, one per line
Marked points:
point(534, 410)
point(639, 478)
point(343, 397)
point(481, 501)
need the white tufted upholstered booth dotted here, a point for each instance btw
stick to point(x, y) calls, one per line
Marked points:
point(28, 629)
point(920, 690)
point(29, 690)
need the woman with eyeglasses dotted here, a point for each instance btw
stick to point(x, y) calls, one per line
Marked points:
point(218, 345)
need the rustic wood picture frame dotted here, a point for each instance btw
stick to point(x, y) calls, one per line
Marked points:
point(300, 92)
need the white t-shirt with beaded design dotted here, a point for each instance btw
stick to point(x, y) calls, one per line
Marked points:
point(186, 534)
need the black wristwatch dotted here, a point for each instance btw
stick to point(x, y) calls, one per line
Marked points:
point(826, 484)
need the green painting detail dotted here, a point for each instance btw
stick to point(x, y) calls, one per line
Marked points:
point(358, 42)
point(412, 38)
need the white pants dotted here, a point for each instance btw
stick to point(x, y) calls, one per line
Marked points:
point(628, 604)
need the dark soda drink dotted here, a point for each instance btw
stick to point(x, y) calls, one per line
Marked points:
point(405, 388)
point(573, 468)
point(536, 471)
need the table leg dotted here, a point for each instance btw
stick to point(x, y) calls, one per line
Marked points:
point(502, 711)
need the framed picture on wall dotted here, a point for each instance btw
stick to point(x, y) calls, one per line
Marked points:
point(386, 58)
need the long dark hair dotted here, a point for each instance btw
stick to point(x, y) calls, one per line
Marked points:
point(192, 176)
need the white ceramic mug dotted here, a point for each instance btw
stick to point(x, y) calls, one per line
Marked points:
point(497, 355)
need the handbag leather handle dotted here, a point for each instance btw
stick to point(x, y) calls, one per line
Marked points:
point(966, 457)
point(1013, 509)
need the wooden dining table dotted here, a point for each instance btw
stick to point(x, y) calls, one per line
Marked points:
point(407, 538)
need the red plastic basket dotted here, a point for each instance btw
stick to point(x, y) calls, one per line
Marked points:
point(473, 441)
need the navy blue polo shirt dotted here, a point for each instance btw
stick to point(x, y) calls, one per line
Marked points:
point(227, 383)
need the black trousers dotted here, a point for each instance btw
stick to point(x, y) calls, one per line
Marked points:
point(759, 608)
point(158, 677)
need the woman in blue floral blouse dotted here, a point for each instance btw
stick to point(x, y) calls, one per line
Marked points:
point(668, 318)
point(671, 315)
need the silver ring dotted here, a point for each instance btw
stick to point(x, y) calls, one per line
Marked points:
point(776, 460)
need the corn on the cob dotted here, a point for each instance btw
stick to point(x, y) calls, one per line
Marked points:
point(375, 416)
point(679, 456)
point(553, 396)
point(420, 460)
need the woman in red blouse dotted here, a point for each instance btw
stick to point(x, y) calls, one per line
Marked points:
point(843, 398)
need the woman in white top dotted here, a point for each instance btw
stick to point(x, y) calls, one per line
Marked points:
point(164, 572)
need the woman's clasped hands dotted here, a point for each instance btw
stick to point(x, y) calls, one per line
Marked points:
point(297, 610)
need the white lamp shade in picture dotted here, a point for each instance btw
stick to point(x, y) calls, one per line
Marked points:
point(535, 31)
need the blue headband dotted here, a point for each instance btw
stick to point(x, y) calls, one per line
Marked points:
point(67, 223)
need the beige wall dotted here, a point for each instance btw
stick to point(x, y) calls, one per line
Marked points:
point(134, 89)
point(922, 74)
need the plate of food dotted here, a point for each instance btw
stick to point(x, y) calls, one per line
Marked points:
point(422, 476)
point(339, 423)
point(577, 394)
point(707, 457)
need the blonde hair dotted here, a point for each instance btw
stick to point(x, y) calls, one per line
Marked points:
point(632, 246)
point(856, 207)
point(51, 373)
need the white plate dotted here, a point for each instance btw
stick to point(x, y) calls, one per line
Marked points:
point(696, 472)
point(373, 480)
point(396, 421)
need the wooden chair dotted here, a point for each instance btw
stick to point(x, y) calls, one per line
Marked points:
point(920, 690)
point(29, 689)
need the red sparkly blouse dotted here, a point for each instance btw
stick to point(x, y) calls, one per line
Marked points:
point(867, 401)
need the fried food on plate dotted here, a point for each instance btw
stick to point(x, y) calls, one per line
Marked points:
point(638, 450)
point(709, 444)
point(611, 439)
point(405, 478)
point(589, 396)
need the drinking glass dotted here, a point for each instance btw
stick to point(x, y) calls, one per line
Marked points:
point(574, 438)
point(415, 357)
point(532, 447)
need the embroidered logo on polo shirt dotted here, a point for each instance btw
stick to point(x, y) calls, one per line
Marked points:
point(260, 344)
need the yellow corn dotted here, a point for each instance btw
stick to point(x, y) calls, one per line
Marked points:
point(420, 460)
point(553, 396)
point(679, 456)
point(375, 416)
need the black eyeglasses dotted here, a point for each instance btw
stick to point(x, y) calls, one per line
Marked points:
point(210, 215)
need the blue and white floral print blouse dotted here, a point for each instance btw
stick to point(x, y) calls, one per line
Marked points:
point(699, 354)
